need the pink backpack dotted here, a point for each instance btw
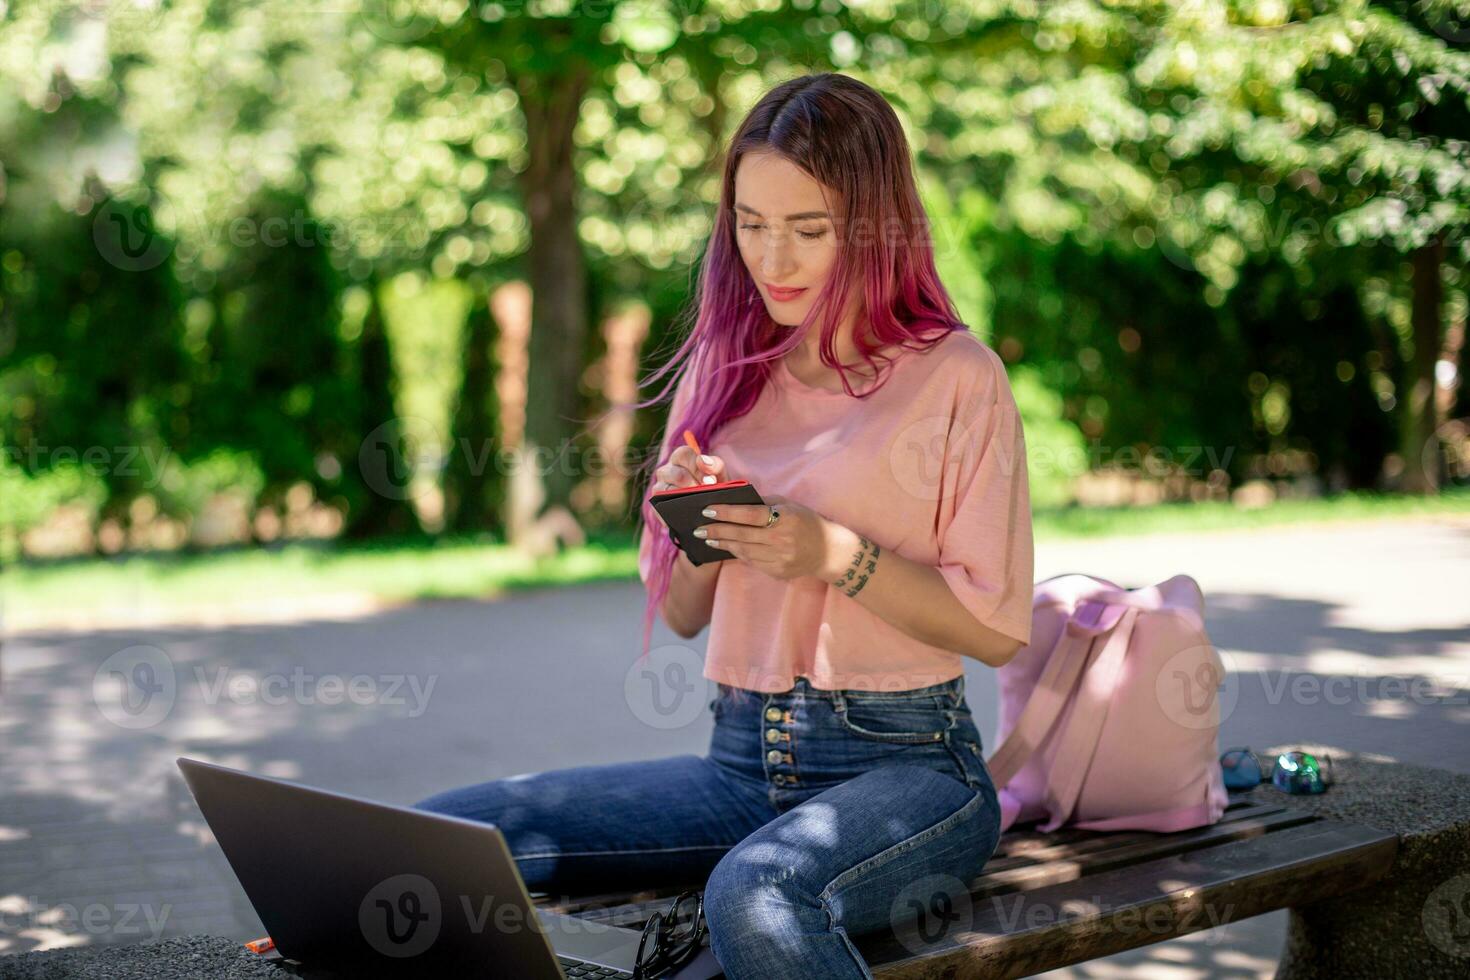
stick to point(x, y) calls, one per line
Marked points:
point(1109, 717)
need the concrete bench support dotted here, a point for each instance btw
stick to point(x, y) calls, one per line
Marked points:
point(1415, 921)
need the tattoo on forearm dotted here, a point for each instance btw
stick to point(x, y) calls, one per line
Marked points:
point(864, 563)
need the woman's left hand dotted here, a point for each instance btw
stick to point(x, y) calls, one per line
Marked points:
point(802, 542)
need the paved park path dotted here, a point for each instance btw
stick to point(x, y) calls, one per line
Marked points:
point(1354, 634)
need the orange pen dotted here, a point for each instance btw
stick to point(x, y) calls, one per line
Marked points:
point(693, 444)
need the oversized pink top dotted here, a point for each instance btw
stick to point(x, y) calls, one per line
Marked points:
point(931, 467)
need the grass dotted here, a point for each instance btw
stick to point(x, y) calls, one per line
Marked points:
point(303, 576)
point(1077, 522)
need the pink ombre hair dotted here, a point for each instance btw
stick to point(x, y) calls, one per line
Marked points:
point(848, 138)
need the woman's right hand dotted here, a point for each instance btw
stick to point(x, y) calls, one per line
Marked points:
point(685, 468)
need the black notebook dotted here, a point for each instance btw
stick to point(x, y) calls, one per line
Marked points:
point(680, 508)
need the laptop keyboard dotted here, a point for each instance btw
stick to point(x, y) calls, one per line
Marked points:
point(576, 969)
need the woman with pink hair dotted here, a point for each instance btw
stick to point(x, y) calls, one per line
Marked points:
point(845, 789)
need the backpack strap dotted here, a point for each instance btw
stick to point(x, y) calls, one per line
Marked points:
point(1078, 742)
point(1053, 688)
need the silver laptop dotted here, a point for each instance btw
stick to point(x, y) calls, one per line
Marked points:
point(346, 883)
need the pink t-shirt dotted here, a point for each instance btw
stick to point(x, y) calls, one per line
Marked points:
point(931, 467)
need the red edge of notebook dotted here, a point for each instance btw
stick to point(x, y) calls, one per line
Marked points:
point(699, 486)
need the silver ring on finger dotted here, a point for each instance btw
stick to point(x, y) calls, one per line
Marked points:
point(775, 516)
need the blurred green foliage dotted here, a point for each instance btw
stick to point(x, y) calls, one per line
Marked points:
point(236, 239)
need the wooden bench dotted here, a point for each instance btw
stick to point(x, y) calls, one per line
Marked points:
point(1048, 901)
point(1376, 873)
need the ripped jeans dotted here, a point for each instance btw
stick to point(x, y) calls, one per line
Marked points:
point(815, 816)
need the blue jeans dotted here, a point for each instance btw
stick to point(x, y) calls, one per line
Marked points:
point(815, 816)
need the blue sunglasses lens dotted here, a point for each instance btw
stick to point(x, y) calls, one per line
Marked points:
point(1240, 769)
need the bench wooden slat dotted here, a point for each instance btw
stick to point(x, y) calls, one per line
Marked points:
point(1074, 861)
point(1043, 849)
point(1016, 934)
point(1017, 842)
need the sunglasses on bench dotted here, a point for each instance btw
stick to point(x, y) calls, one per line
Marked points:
point(1293, 772)
point(676, 933)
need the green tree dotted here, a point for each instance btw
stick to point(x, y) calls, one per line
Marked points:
point(1328, 133)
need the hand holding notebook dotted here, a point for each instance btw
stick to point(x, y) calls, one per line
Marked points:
point(687, 484)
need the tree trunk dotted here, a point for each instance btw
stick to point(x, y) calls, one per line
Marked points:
point(471, 480)
point(558, 279)
point(1418, 445)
